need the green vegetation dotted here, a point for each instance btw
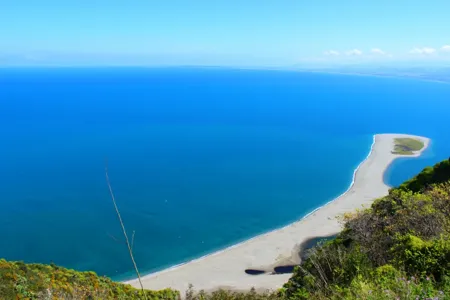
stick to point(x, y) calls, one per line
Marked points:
point(38, 281)
point(430, 175)
point(399, 248)
point(407, 146)
point(230, 295)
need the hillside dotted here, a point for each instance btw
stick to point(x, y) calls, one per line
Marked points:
point(399, 248)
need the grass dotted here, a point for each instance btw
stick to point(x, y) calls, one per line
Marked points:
point(407, 146)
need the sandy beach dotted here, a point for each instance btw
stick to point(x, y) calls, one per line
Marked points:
point(226, 268)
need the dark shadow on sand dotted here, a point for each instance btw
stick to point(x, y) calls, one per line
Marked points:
point(283, 269)
point(302, 255)
point(311, 243)
point(254, 272)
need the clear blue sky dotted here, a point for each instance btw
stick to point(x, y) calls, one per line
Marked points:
point(228, 32)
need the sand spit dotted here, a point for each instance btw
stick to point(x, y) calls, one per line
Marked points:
point(226, 268)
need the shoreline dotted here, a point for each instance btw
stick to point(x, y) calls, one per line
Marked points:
point(240, 280)
point(174, 267)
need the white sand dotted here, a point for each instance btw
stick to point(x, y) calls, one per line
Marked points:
point(226, 268)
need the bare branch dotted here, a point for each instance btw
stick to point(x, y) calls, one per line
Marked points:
point(124, 231)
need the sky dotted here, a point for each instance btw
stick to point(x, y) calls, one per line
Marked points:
point(228, 32)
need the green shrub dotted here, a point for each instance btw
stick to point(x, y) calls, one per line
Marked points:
point(399, 213)
point(328, 265)
point(233, 295)
point(37, 281)
point(423, 258)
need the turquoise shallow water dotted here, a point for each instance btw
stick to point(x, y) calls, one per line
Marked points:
point(199, 159)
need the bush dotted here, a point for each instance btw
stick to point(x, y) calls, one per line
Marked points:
point(327, 267)
point(398, 214)
point(424, 258)
point(232, 295)
point(37, 281)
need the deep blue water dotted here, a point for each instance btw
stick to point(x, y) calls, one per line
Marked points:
point(199, 159)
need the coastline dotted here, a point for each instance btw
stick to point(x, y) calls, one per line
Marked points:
point(226, 268)
point(368, 74)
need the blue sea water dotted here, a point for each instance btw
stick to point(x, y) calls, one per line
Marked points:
point(199, 159)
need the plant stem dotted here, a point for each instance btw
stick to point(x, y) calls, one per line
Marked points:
point(124, 232)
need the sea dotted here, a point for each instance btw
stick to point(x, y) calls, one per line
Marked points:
point(199, 158)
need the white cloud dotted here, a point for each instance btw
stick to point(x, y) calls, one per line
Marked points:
point(378, 51)
point(445, 48)
point(424, 51)
point(331, 53)
point(354, 52)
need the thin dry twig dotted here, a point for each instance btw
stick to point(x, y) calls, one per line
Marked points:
point(132, 240)
point(124, 231)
